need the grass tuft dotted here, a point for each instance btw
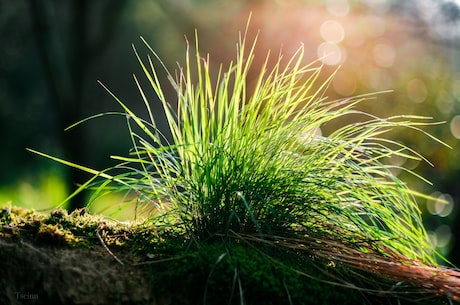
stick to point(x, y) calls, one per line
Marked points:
point(246, 164)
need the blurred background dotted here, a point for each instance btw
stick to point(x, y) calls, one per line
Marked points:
point(53, 52)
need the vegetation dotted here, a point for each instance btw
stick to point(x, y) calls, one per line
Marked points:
point(245, 185)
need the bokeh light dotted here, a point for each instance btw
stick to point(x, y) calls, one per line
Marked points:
point(455, 126)
point(441, 205)
point(330, 53)
point(332, 31)
point(338, 7)
point(417, 91)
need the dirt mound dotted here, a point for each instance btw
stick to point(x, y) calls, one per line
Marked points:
point(35, 274)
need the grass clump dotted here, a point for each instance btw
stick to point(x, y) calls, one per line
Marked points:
point(244, 164)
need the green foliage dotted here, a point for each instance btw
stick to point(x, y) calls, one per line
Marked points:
point(41, 192)
point(245, 161)
point(249, 161)
point(242, 275)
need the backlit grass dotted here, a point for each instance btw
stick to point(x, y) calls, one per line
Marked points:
point(246, 164)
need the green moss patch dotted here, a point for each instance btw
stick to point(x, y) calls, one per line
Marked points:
point(78, 229)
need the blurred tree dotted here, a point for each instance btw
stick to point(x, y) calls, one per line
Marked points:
point(70, 36)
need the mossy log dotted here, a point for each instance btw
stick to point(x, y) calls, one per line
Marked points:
point(85, 259)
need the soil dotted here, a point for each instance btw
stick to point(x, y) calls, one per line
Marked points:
point(34, 274)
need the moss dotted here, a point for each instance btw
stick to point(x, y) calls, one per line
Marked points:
point(214, 273)
point(78, 229)
point(55, 234)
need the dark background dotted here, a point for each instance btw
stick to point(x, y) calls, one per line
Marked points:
point(53, 52)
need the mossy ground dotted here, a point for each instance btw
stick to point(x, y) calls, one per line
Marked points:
point(217, 271)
